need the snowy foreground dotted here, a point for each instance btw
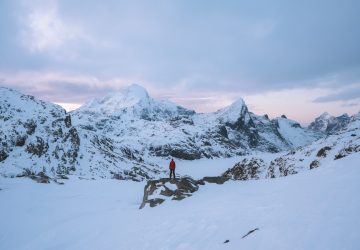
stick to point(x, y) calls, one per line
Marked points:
point(317, 209)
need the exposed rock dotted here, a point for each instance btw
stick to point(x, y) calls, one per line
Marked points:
point(223, 131)
point(215, 179)
point(247, 169)
point(30, 126)
point(20, 141)
point(185, 154)
point(40, 177)
point(156, 191)
point(68, 121)
point(279, 167)
point(37, 148)
point(323, 151)
point(250, 232)
point(3, 155)
point(314, 164)
point(346, 151)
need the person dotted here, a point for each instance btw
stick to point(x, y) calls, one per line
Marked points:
point(172, 166)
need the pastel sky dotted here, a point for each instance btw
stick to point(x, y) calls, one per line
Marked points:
point(298, 58)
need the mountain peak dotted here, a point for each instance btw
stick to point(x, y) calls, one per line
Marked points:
point(232, 113)
point(238, 102)
point(135, 90)
point(325, 115)
point(124, 98)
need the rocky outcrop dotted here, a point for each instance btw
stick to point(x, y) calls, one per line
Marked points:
point(157, 191)
point(247, 169)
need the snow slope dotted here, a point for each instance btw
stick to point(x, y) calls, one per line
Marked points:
point(316, 209)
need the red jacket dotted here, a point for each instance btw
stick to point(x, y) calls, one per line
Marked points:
point(172, 165)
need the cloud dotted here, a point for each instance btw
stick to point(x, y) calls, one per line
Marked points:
point(222, 48)
point(61, 87)
point(45, 30)
point(351, 104)
point(343, 95)
point(231, 45)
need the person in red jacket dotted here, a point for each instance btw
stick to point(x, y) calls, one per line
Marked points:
point(172, 166)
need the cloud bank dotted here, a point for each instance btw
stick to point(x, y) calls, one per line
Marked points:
point(71, 51)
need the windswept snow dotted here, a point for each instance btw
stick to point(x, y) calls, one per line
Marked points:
point(316, 209)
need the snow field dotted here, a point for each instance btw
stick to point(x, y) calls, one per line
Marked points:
point(317, 209)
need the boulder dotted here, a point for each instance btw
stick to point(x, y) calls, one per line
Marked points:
point(156, 191)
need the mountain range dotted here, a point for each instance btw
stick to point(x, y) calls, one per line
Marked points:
point(128, 135)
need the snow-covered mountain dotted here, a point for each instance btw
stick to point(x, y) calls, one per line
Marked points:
point(133, 120)
point(126, 134)
point(322, 152)
point(35, 136)
point(329, 124)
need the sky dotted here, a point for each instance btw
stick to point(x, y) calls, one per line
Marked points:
point(299, 58)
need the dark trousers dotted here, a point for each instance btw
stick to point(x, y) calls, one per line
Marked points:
point(172, 172)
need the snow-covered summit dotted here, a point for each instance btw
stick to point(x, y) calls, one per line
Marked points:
point(233, 112)
point(133, 102)
point(113, 102)
point(329, 124)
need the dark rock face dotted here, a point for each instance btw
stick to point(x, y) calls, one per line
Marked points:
point(223, 132)
point(156, 191)
point(247, 169)
point(3, 155)
point(184, 154)
point(68, 121)
point(322, 152)
point(20, 141)
point(314, 164)
point(214, 179)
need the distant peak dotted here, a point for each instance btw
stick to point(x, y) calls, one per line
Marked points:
point(135, 86)
point(325, 115)
point(135, 90)
point(238, 102)
point(234, 111)
point(344, 115)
